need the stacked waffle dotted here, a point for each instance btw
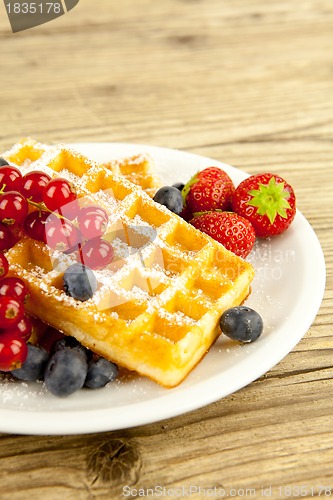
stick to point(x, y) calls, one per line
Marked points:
point(157, 305)
point(138, 169)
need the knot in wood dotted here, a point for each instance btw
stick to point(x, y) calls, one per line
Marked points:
point(114, 463)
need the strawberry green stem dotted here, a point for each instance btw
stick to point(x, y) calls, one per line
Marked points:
point(270, 199)
point(187, 187)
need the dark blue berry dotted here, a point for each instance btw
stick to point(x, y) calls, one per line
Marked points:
point(241, 323)
point(65, 372)
point(170, 197)
point(3, 162)
point(80, 282)
point(100, 372)
point(179, 185)
point(72, 343)
point(34, 366)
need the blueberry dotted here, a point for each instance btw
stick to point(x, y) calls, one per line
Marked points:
point(100, 372)
point(80, 282)
point(170, 197)
point(65, 372)
point(179, 185)
point(3, 162)
point(34, 366)
point(72, 343)
point(241, 323)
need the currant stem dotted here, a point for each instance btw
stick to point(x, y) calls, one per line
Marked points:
point(41, 207)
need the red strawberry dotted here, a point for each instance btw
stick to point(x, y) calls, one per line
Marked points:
point(186, 214)
point(233, 231)
point(267, 201)
point(210, 189)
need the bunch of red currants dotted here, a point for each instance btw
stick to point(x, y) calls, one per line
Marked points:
point(15, 325)
point(47, 209)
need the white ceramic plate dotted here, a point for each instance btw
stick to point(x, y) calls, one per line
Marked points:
point(287, 292)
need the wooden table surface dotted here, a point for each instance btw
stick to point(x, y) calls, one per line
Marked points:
point(246, 82)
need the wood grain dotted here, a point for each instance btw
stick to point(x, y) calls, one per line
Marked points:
point(248, 83)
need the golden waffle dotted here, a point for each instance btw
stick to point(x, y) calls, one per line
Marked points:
point(158, 304)
point(138, 169)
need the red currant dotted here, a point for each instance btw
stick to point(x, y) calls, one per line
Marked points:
point(33, 185)
point(34, 225)
point(13, 351)
point(69, 211)
point(59, 195)
point(92, 221)
point(23, 329)
point(49, 338)
point(10, 178)
point(61, 234)
point(3, 265)
point(13, 208)
point(11, 312)
point(13, 287)
point(96, 253)
point(7, 239)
